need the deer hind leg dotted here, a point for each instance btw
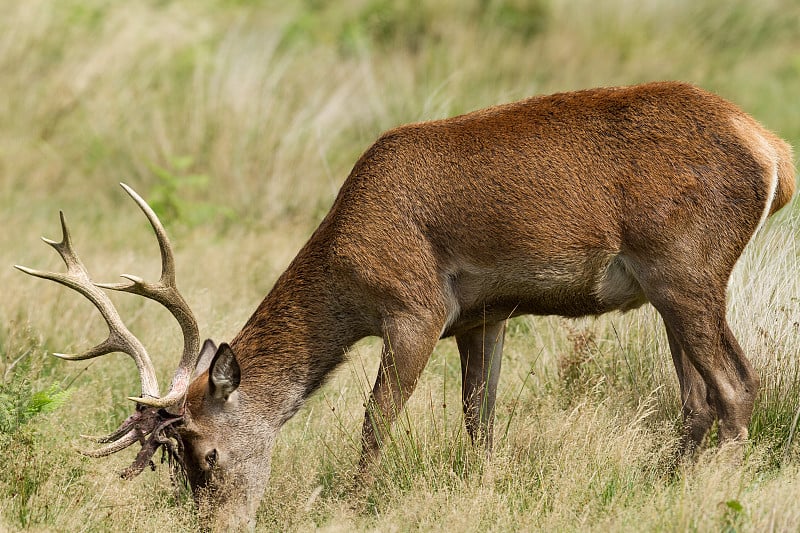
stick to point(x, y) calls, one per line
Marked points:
point(481, 351)
point(407, 346)
point(698, 415)
point(700, 335)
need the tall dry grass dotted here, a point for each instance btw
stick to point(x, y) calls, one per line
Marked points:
point(239, 120)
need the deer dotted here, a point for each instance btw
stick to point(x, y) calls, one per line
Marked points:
point(572, 204)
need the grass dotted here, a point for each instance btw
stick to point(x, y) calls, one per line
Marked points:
point(240, 120)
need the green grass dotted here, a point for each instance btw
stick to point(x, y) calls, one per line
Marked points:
point(239, 120)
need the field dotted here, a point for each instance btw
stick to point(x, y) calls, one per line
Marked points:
point(238, 121)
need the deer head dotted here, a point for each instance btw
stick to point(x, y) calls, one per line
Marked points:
point(226, 453)
point(190, 432)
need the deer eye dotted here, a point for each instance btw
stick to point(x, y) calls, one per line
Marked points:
point(211, 458)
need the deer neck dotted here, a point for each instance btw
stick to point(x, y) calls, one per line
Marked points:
point(297, 336)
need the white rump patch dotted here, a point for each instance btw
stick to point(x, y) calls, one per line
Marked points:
point(767, 156)
point(773, 187)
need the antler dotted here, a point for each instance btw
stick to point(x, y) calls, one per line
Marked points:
point(165, 292)
point(150, 425)
point(119, 339)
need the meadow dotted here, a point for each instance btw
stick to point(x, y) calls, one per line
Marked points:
point(238, 121)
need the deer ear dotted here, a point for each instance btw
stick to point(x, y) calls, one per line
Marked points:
point(204, 359)
point(223, 374)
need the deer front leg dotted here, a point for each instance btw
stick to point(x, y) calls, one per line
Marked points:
point(407, 346)
point(481, 351)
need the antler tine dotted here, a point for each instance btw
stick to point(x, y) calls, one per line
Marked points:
point(133, 421)
point(123, 442)
point(120, 339)
point(166, 293)
point(149, 425)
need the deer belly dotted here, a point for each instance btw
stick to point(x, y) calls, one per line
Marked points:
point(617, 287)
point(598, 286)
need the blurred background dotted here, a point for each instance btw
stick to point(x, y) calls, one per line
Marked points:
point(255, 111)
point(238, 121)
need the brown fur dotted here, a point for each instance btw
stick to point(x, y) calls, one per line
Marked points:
point(571, 204)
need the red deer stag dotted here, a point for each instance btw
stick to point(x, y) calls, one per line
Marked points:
point(571, 204)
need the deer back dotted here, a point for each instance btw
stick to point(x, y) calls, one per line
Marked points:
point(524, 207)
